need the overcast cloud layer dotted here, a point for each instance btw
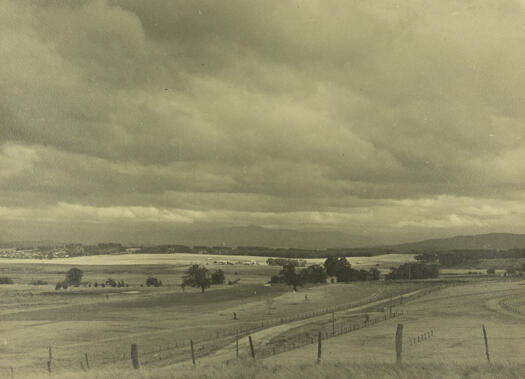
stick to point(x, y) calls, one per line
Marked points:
point(393, 120)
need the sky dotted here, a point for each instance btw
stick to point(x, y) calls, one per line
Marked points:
point(391, 121)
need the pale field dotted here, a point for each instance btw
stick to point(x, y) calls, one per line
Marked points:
point(186, 259)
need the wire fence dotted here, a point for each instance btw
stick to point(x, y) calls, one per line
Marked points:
point(511, 303)
point(187, 350)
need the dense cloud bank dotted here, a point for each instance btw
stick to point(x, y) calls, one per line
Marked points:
point(386, 119)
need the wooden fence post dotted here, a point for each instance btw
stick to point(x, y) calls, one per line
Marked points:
point(192, 352)
point(251, 347)
point(319, 348)
point(237, 345)
point(135, 356)
point(49, 360)
point(399, 343)
point(333, 324)
point(486, 343)
point(12, 373)
point(87, 360)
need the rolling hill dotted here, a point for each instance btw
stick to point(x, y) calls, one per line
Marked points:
point(492, 241)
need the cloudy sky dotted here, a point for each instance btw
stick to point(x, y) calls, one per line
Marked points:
point(389, 120)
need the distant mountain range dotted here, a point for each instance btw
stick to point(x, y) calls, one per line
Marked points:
point(285, 238)
point(493, 241)
point(259, 236)
point(267, 237)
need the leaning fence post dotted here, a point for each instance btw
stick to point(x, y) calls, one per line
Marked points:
point(319, 348)
point(135, 356)
point(486, 343)
point(399, 342)
point(192, 352)
point(251, 347)
point(87, 360)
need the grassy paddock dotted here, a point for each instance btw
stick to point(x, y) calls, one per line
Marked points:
point(338, 369)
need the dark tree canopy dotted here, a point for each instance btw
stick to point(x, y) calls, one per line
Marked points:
point(74, 276)
point(197, 277)
point(291, 277)
point(152, 281)
point(218, 277)
point(314, 274)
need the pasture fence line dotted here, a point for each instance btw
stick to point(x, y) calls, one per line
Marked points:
point(182, 350)
point(510, 304)
point(254, 326)
point(298, 341)
point(422, 337)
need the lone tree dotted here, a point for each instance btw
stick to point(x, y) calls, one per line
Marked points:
point(74, 276)
point(291, 277)
point(218, 277)
point(197, 277)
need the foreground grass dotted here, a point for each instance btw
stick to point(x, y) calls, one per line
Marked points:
point(266, 370)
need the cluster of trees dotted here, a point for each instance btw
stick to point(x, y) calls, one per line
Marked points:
point(73, 278)
point(311, 274)
point(468, 257)
point(264, 251)
point(335, 267)
point(414, 271)
point(342, 270)
point(284, 261)
point(200, 277)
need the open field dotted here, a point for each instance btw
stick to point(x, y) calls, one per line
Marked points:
point(455, 316)
point(103, 322)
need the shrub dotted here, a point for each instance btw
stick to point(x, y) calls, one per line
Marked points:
point(95, 284)
point(38, 282)
point(152, 281)
point(6, 280)
point(64, 285)
point(58, 286)
point(111, 283)
point(218, 277)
